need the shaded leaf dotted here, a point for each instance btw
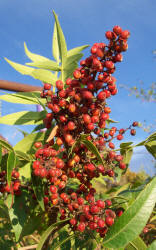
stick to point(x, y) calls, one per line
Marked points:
point(136, 244)
point(152, 246)
point(17, 213)
point(25, 171)
point(46, 234)
point(38, 190)
point(6, 145)
point(131, 223)
point(125, 144)
point(151, 147)
point(11, 163)
point(93, 149)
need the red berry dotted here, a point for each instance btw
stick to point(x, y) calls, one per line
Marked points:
point(135, 124)
point(47, 86)
point(125, 34)
point(109, 221)
point(133, 132)
point(101, 223)
point(73, 221)
point(119, 137)
point(81, 227)
point(122, 165)
point(53, 189)
point(101, 96)
point(59, 85)
point(100, 204)
point(117, 30)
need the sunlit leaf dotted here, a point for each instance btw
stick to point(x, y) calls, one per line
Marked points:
point(131, 223)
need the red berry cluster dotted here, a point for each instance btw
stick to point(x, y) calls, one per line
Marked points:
point(15, 185)
point(79, 108)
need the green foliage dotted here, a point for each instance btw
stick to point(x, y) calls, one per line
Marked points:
point(130, 224)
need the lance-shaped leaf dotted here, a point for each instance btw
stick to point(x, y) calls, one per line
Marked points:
point(23, 98)
point(38, 188)
point(76, 50)
point(125, 144)
point(27, 142)
point(50, 229)
point(49, 64)
point(23, 118)
point(44, 76)
point(34, 57)
point(151, 147)
point(61, 40)
point(11, 163)
point(6, 145)
point(131, 223)
point(40, 74)
point(136, 244)
point(152, 246)
point(93, 149)
point(17, 212)
point(55, 45)
point(22, 156)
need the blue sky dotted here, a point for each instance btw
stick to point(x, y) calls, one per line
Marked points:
point(83, 22)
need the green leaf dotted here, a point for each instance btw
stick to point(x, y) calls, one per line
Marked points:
point(44, 76)
point(131, 223)
point(49, 64)
point(20, 68)
point(64, 235)
point(22, 155)
point(127, 154)
point(27, 142)
point(40, 74)
point(33, 223)
point(76, 50)
point(111, 121)
point(11, 163)
point(61, 40)
point(38, 190)
point(23, 118)
point(152, 246)
point(25, 171)
point(55, 46)
point(23, 98)
point(71, 63)
point(93, 149)
point(18, 213)
point(5, 145)
point(151, 147)
point(34, 57)
point(46, 234)
point(125, 144)
point(137, 244)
